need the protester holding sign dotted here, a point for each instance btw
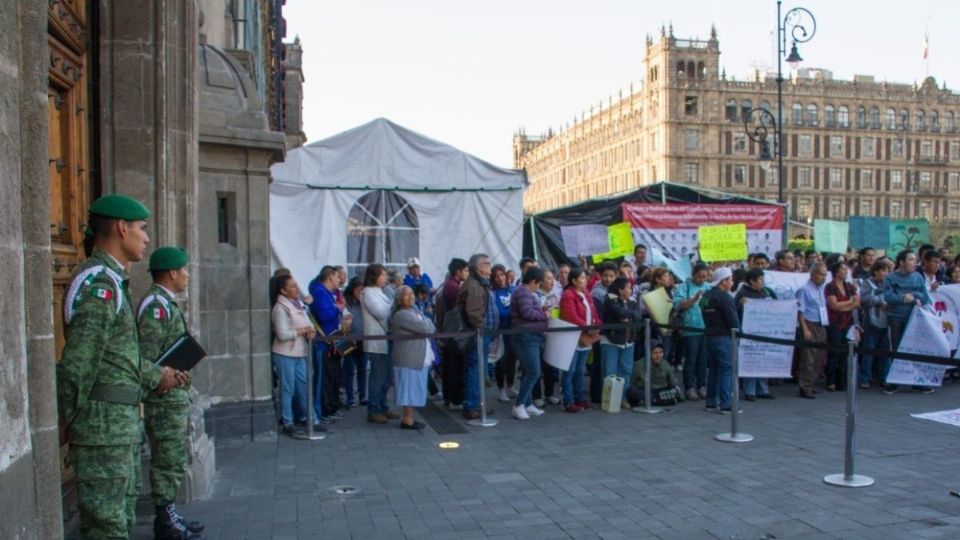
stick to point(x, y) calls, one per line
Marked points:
point(754, 289)
point(720, 317)
point(693, 343)
point(578, 308)
point(843, 300)
point(813, 319)
point(903, 290)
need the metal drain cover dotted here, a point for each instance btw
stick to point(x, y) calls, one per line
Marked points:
point(343, 490)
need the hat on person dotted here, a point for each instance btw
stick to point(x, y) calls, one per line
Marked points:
point(168, 258)
point(116, 206)
point(721, 274)
point(413, 261)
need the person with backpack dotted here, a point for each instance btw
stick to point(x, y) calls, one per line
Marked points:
point(452, 370)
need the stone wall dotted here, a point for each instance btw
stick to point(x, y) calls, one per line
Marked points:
point(29, 462)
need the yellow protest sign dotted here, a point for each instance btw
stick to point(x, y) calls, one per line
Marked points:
point(621, 242)
point(723, 242)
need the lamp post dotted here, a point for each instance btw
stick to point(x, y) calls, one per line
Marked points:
point(801, 25)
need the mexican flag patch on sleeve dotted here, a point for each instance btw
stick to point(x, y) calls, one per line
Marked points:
point(103, 293)
point(159, 313)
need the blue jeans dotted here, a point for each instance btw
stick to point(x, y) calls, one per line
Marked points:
point(471, 401)
point(694, 360)
point(319, 351)
point(292, 372)
point(753, 386)
point(720, 369)
point(573, 379)
point(355, 363)
point(379, 383)
point(874, 338)
point(527, 348)
point(619, 362)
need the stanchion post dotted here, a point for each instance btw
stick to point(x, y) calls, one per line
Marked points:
point(483, 421)
point(849, 478)
point(308, 434)
point(647, 398)
point(734, 436)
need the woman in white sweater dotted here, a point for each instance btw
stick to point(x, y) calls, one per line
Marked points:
point(376, 320)
point(291, 331)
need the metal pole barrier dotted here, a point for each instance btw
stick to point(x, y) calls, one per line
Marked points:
point(646, 409)
point(308, 435)
point(734, 436)
point(848, 478)
point(483, 421)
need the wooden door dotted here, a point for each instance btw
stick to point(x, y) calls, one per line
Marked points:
point(69, 183)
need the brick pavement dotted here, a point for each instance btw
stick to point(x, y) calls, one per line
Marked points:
point(604, 476)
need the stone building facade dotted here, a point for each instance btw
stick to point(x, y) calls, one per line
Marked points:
point(178, 103)
point(857, 147)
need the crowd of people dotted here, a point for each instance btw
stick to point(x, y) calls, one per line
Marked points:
point(847, 296)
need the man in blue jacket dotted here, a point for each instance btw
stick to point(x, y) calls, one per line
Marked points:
point(327, 314)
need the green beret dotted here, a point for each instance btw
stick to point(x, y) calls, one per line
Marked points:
point(116, 206)
point(168, 258)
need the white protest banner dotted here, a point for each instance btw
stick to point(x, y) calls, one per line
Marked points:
point(560, 346)
point(951, 417)
point(946, 306)
point(785, 284)
point(584, 239)
point(923, 335)
point(768, 318)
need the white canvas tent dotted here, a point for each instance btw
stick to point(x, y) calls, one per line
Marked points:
point(382, 193)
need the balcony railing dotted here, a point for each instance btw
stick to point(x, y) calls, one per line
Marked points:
point(931, 160)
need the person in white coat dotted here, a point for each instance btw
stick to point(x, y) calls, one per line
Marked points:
point(376, 322)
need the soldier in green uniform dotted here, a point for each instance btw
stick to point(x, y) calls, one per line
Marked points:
point(100, 376)
point(161, 323)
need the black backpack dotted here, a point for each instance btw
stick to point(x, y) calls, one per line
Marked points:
point(453, 322)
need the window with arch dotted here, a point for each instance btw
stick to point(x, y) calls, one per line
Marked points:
point(745, 107)
point(681, 69)
point(921, 120)
point(829, 115)
point(874, 118)
point(765, 105)
point(701, 71)
point(731, 110)
point(861, 117)
point(904, 119)
point(948, 122)
point(813, 115)
point(691, 70)
point(891, 119)
point(843, 116)
point(382, 227)
point(797, 116)
point(934, 121)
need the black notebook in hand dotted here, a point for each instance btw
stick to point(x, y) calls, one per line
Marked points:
point(183, 355)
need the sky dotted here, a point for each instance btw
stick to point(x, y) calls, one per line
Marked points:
point(471, 74)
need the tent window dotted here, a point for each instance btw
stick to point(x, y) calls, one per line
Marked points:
point(382, 227)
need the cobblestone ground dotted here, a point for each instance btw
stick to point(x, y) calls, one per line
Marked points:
point(601, 475)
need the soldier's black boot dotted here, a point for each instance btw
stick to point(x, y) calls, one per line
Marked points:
point(166, 526)
point(192, 526)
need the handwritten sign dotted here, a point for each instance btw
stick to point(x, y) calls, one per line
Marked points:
point(584, 239)
point(830, 236)
point(723, 242)
point(923, 335)
point(768, 318)
point(620, 241)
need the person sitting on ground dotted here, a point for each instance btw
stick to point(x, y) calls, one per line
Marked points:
point(412, 358)
point(616, 345)
point(664, 385)
point(754, 289)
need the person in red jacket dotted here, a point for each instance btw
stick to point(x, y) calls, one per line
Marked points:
point(578, 308)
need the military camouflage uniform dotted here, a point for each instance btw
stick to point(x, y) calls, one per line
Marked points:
point(99, 382)
point(160, 323)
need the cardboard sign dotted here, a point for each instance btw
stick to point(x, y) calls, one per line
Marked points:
point(723, 242)
point(584, 239)
point(768, 318)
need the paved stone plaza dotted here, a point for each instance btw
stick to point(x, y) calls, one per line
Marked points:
point(600, 475)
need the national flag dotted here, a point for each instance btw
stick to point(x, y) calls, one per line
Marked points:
point(105, 294)
point(159, 314)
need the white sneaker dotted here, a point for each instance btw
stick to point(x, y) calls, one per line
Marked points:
point(692, 394)
point(520, 413)
point(503, 395)
point(538, 402)
point(456, 406)
point(532, 410)
point(553, 400)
